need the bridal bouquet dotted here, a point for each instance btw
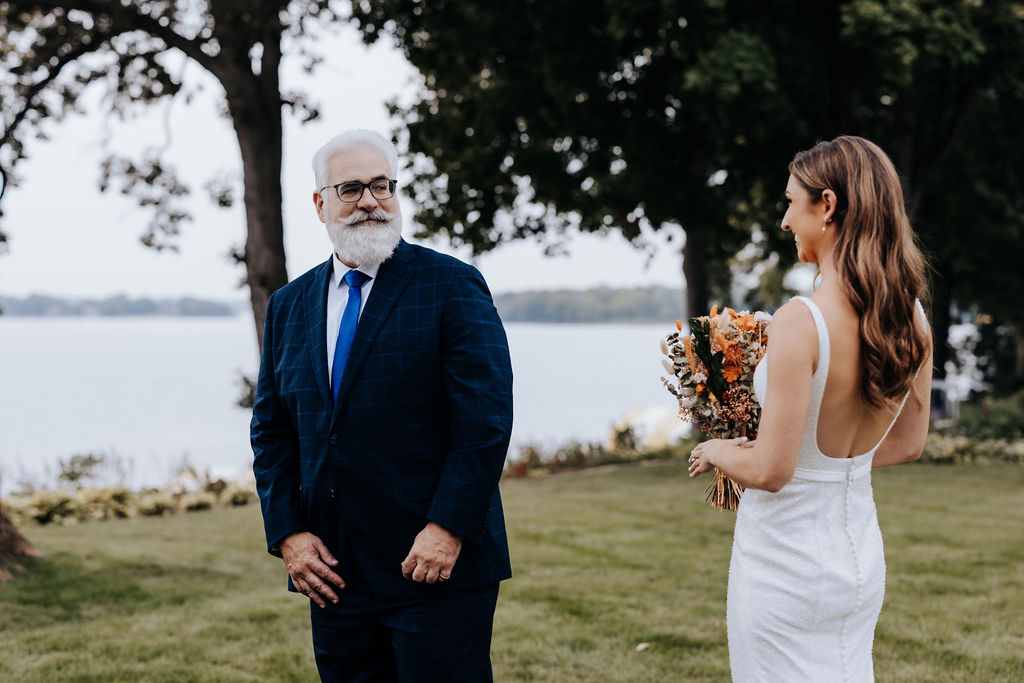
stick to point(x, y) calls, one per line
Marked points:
point(712, 376)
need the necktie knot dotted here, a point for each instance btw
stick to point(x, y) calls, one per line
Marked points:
point(355, 278)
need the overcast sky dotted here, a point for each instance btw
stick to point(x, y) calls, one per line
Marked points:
point(67, 239)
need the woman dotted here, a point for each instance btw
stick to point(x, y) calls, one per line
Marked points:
point(844, 387)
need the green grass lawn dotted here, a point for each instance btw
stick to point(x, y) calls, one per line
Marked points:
point(603, 562)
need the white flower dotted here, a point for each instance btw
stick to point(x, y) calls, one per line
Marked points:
point(724, 320)
point(762, 317)
point(700, 377)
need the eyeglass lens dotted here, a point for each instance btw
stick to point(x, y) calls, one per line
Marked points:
point(380, 189)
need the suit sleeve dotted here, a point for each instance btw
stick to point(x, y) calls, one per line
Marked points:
point(275, 447)
point(477, 374)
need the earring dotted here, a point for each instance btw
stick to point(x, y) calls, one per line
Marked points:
point(823, 228)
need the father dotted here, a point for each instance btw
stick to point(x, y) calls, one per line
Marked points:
point(382, 418)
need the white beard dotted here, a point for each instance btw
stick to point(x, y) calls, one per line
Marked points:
point(366, 238)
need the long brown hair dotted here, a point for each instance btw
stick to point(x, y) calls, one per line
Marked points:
point(877, 258)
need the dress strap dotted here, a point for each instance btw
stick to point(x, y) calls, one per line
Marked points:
point(820, 377)
point(920, 309)
point(824, 347)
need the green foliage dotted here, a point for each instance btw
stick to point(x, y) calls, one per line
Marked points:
point(701, 330)
point(992, 418)
point(156, 504)
point(998, 348)
point(602, 563)
point(534, 460)
point(241, 497)
point(645, 114)
point(53, 52)
point(624, 440)
point(637, 116)
point(193, 502)
point(70, 507)
point(74, 506)
point(943, 449)
point(78, 467)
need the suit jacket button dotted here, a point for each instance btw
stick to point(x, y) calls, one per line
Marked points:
point(332, 439)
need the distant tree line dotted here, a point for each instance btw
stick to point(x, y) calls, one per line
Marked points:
point(600, 305)
point(39, 305)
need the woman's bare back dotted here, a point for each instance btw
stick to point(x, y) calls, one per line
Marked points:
point(847, 425)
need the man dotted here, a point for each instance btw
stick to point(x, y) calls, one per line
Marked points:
point(381, 423)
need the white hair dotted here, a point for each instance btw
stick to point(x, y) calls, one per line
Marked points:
point(348, 140)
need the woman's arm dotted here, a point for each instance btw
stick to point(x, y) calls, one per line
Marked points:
point(769, 462)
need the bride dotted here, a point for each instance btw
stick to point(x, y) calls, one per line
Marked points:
point(844, 387)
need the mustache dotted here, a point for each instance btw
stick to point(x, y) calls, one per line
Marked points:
point(360, 216)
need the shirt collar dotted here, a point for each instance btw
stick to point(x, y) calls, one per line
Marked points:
point(340, 269)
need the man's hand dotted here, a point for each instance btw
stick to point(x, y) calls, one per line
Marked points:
point(433, 555)
point(309, 564)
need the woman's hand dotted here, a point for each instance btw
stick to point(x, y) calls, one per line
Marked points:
point(702, 457)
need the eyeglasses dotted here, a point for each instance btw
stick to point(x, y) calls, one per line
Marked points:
point(352, 191)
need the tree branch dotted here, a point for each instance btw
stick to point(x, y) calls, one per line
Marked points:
point(36, 88)
point(129, 18)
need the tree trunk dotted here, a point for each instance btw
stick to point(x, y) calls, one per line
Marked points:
point(696, 274)
point(254, 101)
point(12, 545)
point(264, 246)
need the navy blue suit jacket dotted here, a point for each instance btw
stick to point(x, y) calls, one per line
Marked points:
point(419, 431)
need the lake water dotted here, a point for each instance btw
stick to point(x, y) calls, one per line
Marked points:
point(159, 391)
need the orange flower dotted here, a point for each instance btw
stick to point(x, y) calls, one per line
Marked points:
point(731, 373)
point(700, 389)
point(688, 348)
point(679, 324)
point(714, 310)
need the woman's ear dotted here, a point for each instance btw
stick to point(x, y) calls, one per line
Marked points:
point(829, 199)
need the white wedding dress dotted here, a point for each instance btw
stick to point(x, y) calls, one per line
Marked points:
point(807, 574)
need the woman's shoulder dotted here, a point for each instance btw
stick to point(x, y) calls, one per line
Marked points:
point(792, 321)
point(795, 313)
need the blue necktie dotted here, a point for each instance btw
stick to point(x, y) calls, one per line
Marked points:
point(347, 332)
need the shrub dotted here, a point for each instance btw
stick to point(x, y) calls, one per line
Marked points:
point(238, 497)
point(955, 450)
point(992, 418)
point(157, 504)
point(106, 503)
point(200, 500)
point(534, 461)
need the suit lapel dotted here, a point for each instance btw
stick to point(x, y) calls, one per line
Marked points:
point(315, 305)
point(393, 276)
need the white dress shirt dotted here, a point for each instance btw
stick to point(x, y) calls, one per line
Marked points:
point(337, 299)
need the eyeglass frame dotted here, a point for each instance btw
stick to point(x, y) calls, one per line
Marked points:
point(392, 186)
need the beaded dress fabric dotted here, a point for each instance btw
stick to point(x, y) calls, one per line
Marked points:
point(807, 574)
